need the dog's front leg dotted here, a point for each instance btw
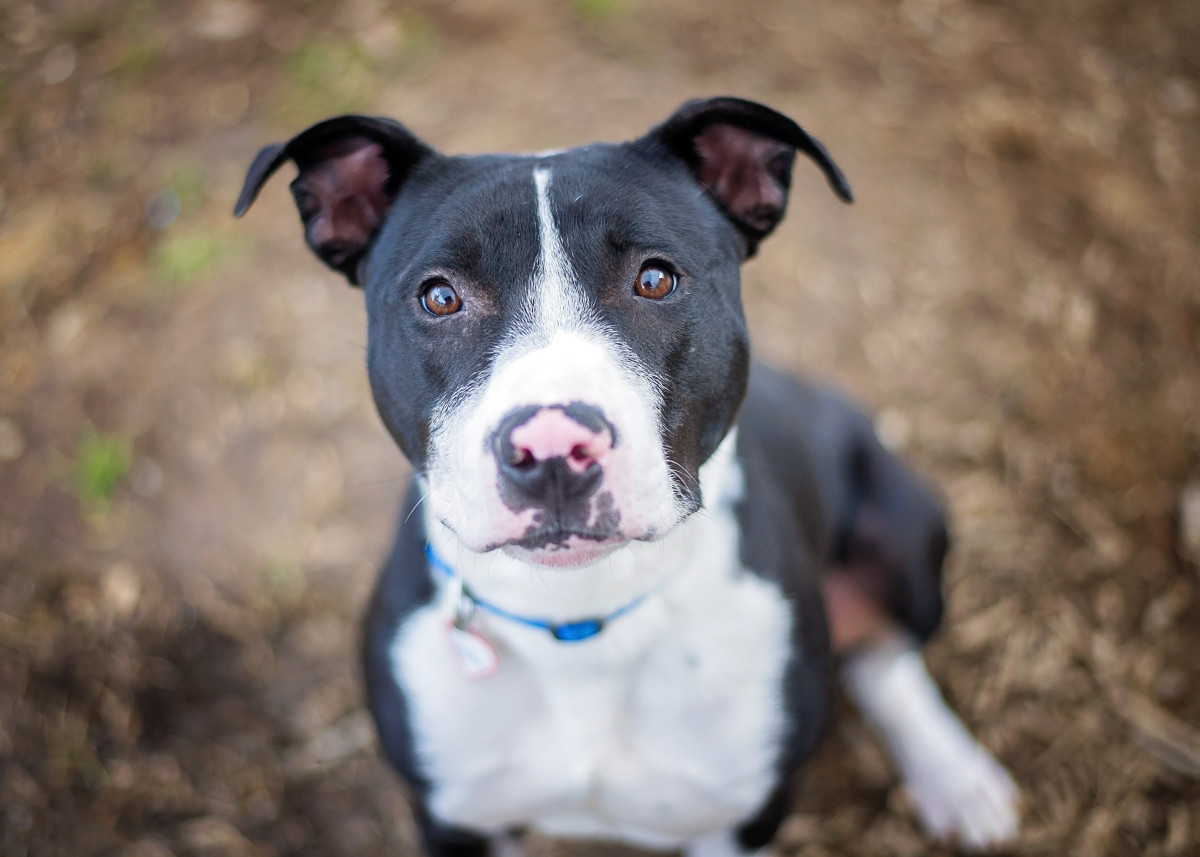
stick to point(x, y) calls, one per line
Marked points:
point(444, 840)
point(722, 843)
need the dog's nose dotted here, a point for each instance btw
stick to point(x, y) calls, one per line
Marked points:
point(554, 453)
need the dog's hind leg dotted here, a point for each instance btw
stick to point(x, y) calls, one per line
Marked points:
point(960, 791)
point(883, 597)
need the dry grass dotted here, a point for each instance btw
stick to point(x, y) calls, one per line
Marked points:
point(1015, 294)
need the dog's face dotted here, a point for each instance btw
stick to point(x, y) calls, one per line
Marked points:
point(556, 342)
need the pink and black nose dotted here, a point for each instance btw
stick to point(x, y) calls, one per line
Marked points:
point(549, 456)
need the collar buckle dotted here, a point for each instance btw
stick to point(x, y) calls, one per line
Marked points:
point(574, 632)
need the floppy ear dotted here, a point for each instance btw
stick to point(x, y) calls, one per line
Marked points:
point(742, 153)
point(351, 168)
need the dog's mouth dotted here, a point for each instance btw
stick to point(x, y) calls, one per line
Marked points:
point(558, 547)
point(554, 537)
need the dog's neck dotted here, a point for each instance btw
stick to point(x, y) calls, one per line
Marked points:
point(629, 573)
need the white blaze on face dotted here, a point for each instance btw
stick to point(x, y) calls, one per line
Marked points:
point(556, 354)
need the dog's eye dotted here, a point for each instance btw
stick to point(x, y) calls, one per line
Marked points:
point(439, 298)
point(654, 282)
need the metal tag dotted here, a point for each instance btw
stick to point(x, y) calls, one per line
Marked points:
point(476, 656)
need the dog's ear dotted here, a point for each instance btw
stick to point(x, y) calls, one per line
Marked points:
point(351, 168)
point(742, 154)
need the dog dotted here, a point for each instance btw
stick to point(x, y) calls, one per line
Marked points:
point(631, 560)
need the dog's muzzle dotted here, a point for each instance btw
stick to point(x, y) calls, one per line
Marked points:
point(552, 458)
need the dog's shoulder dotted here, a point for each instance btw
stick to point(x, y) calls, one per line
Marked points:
point(403, 587)
point(783, 515)
point(784, 533)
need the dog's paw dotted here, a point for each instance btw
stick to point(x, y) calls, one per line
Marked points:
point(968, 798)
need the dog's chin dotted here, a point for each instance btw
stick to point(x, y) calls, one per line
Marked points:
point(573, 552)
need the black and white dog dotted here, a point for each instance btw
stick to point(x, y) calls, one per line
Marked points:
point(631, 559)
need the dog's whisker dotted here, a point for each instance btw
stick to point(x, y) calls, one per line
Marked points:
point(413, 510)
point(360, 346)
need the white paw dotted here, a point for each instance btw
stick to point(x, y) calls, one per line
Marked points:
point(965, 796)
point(960, 791)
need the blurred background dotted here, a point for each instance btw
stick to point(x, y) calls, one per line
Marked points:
point(195, 489)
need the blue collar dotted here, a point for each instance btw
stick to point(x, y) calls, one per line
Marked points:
point(564, 632)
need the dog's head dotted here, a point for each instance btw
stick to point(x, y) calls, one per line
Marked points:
point(555, 341)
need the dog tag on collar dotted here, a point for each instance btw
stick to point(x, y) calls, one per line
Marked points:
point(476, 656)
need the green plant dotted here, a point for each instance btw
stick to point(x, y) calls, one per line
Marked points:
point(102, 462)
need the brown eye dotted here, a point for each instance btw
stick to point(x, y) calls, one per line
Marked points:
point(654, 283)
point(440, 299)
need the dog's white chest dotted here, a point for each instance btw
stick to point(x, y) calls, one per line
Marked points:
point(661, 728)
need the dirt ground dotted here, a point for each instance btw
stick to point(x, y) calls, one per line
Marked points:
point(195, 489)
